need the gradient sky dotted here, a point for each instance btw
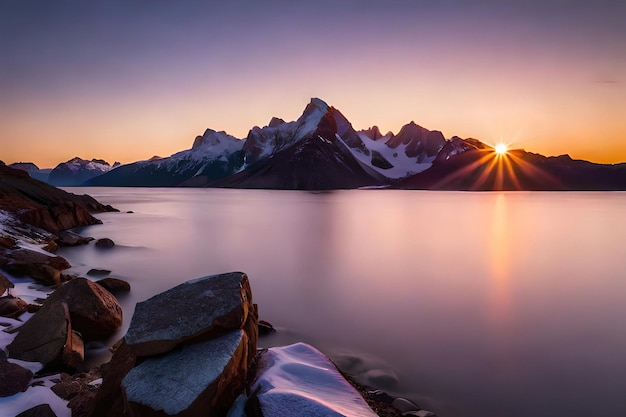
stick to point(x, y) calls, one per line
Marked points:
point(124, 80)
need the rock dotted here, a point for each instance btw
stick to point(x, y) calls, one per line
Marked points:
point(299, 380)
point(165, 385)
point(72, 385)
point(42, 410)
point(419, 413)
point(7, 242)
point(13, 378)
point(46, 337)
point(67, 238)
point(51, 247)
point(105, 243)
point(5, 284)
point(404, 405)
point(108, 400)
point(265, 328)
point(56, 218)
point(39, 266)
point(93, 272)
point(114, 285)
point(12, 307)
point(203, 307)
point(95, 313)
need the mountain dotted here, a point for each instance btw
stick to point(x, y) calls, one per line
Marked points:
point(33, 170)
point(77, 170)
point(212, 156)
point(309, 154)
point(476, 167)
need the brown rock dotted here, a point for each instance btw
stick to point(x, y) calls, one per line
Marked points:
point(8, 242)
point(105, 243)
point(56, 218)
point(67, 238)
point(95, 313)
point(41, 267)
point(45, 337)
point(108, 401)
point(42, 410)
point(5, 284)
point(114, 285)
point(13, 378)
point(51, 247)
point(12, 307)
point(203, 307)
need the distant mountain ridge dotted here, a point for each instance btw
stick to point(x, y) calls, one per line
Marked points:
point(322, 151)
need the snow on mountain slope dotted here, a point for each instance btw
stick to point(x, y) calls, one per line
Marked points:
point(266, 141)
point(77, 170)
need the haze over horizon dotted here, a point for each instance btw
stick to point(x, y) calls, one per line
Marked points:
point(124, 81)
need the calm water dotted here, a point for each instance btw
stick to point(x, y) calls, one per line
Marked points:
point(471, 304)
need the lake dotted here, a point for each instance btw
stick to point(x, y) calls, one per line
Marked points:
point(470, 304)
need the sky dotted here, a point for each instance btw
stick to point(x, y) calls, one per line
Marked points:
point(124, 80)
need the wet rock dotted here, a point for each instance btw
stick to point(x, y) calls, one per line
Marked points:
point(202, 307)
point(58, 217)
point(42, 410)
point(13, 378)
point(5, 284)
point(45, 337)
point(67, 238)
point(94, 312)
point(404, 405)
point(12, 307)
point(115, 286)
point(219, 374)
point(299, 380)
point(39, 266)
point(72, 385)
point(265, 328)
point(105, 243)
point(93, 272)
point(51, 247)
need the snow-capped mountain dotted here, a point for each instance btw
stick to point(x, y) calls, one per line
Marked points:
point(77, 170)
point(33, 170)
point(212, 156)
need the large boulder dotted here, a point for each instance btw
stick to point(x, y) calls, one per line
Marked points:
point(12, 307)
point(203, 307)
point(201, 379)
point(95, 313)
point(299, 380)
point(115, 286)
point(67, 238)
point(13, 378)
point(47, 338)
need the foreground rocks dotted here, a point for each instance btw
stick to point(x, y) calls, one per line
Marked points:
point(187, 352)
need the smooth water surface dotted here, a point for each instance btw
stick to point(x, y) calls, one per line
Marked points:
point(471, 304)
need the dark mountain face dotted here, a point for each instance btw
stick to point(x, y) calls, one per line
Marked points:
point(484, 170)
point(421, 142)
point(319, 161)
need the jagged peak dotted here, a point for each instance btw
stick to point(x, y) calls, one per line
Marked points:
point(212, 138)
point(276, 121)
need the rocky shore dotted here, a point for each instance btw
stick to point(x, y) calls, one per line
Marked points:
point(189, 351)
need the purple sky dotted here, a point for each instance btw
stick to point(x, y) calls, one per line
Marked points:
point(125, 80)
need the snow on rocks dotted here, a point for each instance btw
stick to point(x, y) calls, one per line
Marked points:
point(299, 380)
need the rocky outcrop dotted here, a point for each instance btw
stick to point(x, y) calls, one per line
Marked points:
point(36, 265)
point(12, 307)
point(105, 243)
point(5, 284)
point(299, 380)
point(43, 205)
point(13, 378)
point(67, 238)
point(94, 312)
point(187, 351)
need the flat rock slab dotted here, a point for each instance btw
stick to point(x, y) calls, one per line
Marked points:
point(202, 307)
point(200, 379)
point(298, 380)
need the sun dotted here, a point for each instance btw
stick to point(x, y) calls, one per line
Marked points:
point(501, 148)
